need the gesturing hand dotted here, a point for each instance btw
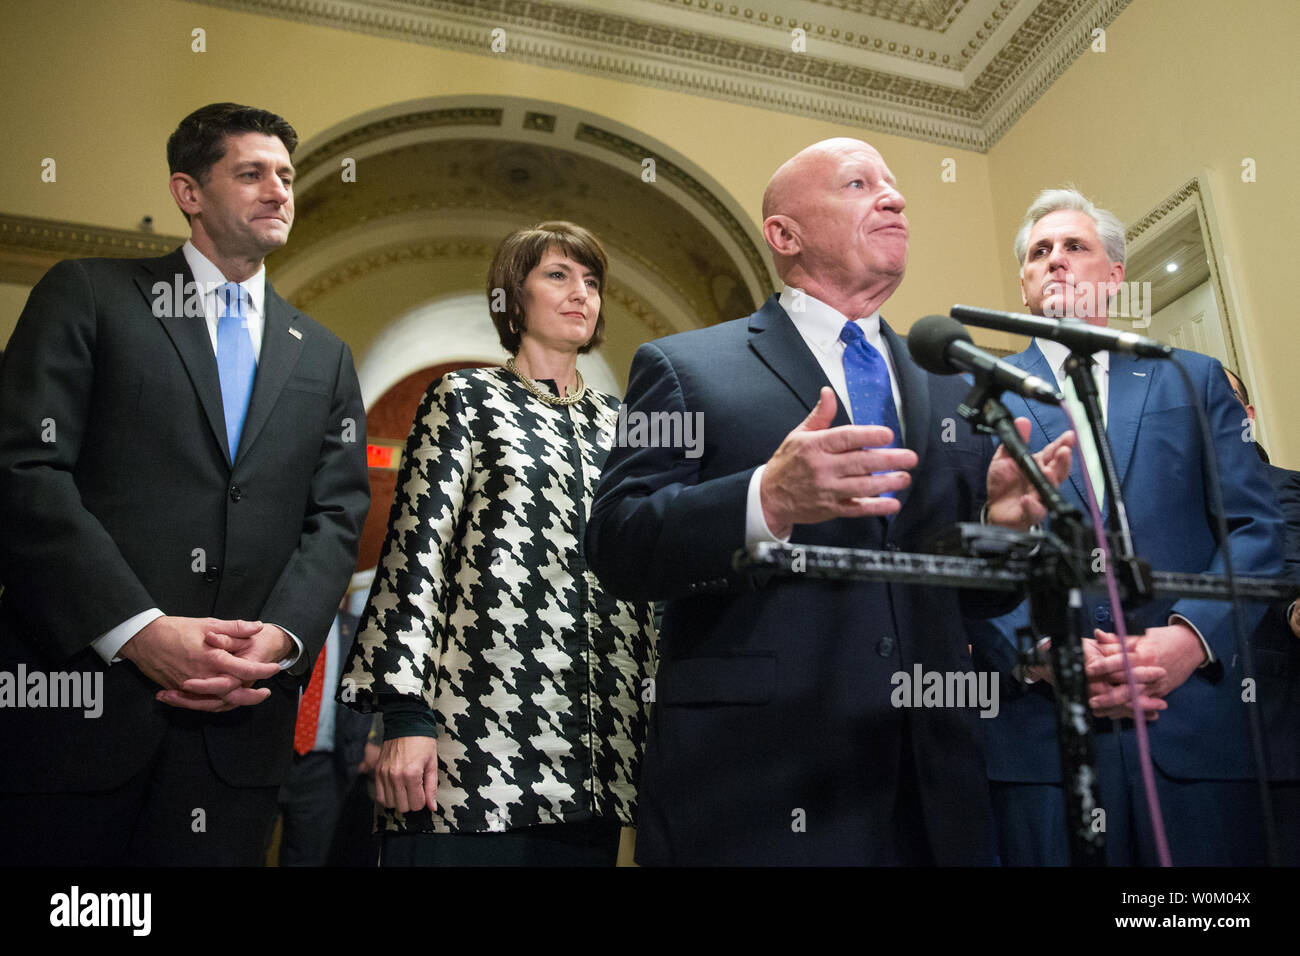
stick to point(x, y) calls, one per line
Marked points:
point(819, 472)
point(1013, 502)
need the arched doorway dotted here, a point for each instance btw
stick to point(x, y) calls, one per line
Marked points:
point(399, 211)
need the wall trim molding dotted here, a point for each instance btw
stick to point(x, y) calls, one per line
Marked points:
point(29, 246)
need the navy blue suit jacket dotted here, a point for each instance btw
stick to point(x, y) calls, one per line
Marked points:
point(1161, 460)
point(772, 737)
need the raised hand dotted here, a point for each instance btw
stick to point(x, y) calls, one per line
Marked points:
point(819, 472)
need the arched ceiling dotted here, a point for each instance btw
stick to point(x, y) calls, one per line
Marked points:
point(406, 205)
point(455, 183)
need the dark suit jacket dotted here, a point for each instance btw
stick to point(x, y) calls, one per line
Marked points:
point(1161, 460)
point(772, 737)
point(135, 504)
point(350, 728)
point(1277, 650)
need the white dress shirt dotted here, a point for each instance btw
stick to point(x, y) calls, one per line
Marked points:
point(209, 279)
point(1056, 354)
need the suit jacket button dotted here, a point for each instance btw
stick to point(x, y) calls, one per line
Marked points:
point(212, 573)
point(886, 646)
point(236, 493)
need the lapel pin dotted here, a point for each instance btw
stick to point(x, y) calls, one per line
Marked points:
point(1140, 374)
point(295, 333)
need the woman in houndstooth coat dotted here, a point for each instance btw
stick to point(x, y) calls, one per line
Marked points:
point(514, 689)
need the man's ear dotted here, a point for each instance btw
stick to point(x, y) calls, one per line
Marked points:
point(186, 191)
point(782, 234)
point(1024, 296)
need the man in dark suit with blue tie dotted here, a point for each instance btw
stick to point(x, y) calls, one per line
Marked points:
point(182, 486)
point(775, 735)
point(1187, 666)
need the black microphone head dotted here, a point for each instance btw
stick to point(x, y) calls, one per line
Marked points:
point(929, 339)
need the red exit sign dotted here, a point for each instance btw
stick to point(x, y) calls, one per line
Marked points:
point(383, 456)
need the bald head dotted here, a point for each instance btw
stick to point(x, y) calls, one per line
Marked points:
point(833, 217)
point(790, 182)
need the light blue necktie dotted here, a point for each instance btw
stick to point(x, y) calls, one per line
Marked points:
point(866, 378)
point(235, 362)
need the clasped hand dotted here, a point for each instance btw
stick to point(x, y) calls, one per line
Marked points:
point(208, 664)
point(1162, 659)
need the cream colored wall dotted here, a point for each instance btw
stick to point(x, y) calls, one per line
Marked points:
point(12, 299)
point(103, 84)
point(1185, 85)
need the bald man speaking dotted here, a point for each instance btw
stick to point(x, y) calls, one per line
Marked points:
point(775, 737)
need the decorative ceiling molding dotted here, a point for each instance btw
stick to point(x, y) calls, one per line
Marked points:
point(30, 246)
point(955, 72)
point(1174, 203)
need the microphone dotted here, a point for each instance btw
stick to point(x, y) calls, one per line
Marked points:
point(1075, 333)
point(940, 345)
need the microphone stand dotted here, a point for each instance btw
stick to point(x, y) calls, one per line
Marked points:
point(1131, 574)
point(1055, 584)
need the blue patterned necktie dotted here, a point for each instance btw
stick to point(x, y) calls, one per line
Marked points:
point(235, 362)
point(866, 377)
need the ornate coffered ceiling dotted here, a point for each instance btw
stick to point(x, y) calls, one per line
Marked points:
point(957, 72)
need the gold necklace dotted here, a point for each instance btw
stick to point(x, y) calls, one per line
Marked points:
point(571, 398)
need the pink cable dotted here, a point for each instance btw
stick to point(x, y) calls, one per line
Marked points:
point(1112, 589)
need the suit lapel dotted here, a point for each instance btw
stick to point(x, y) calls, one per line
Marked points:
point(1129, 385)
point(781, 348)
point(189, 333)
point(914, 389)
point(1050, 419)
point(280, 350)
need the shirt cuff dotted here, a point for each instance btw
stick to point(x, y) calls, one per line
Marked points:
point(297, 652)
point(1209, 654)
point(1021, 672)
point(756, 529)
point(108, 644)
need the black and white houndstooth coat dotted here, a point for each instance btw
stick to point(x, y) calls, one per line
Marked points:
point(483, 609)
